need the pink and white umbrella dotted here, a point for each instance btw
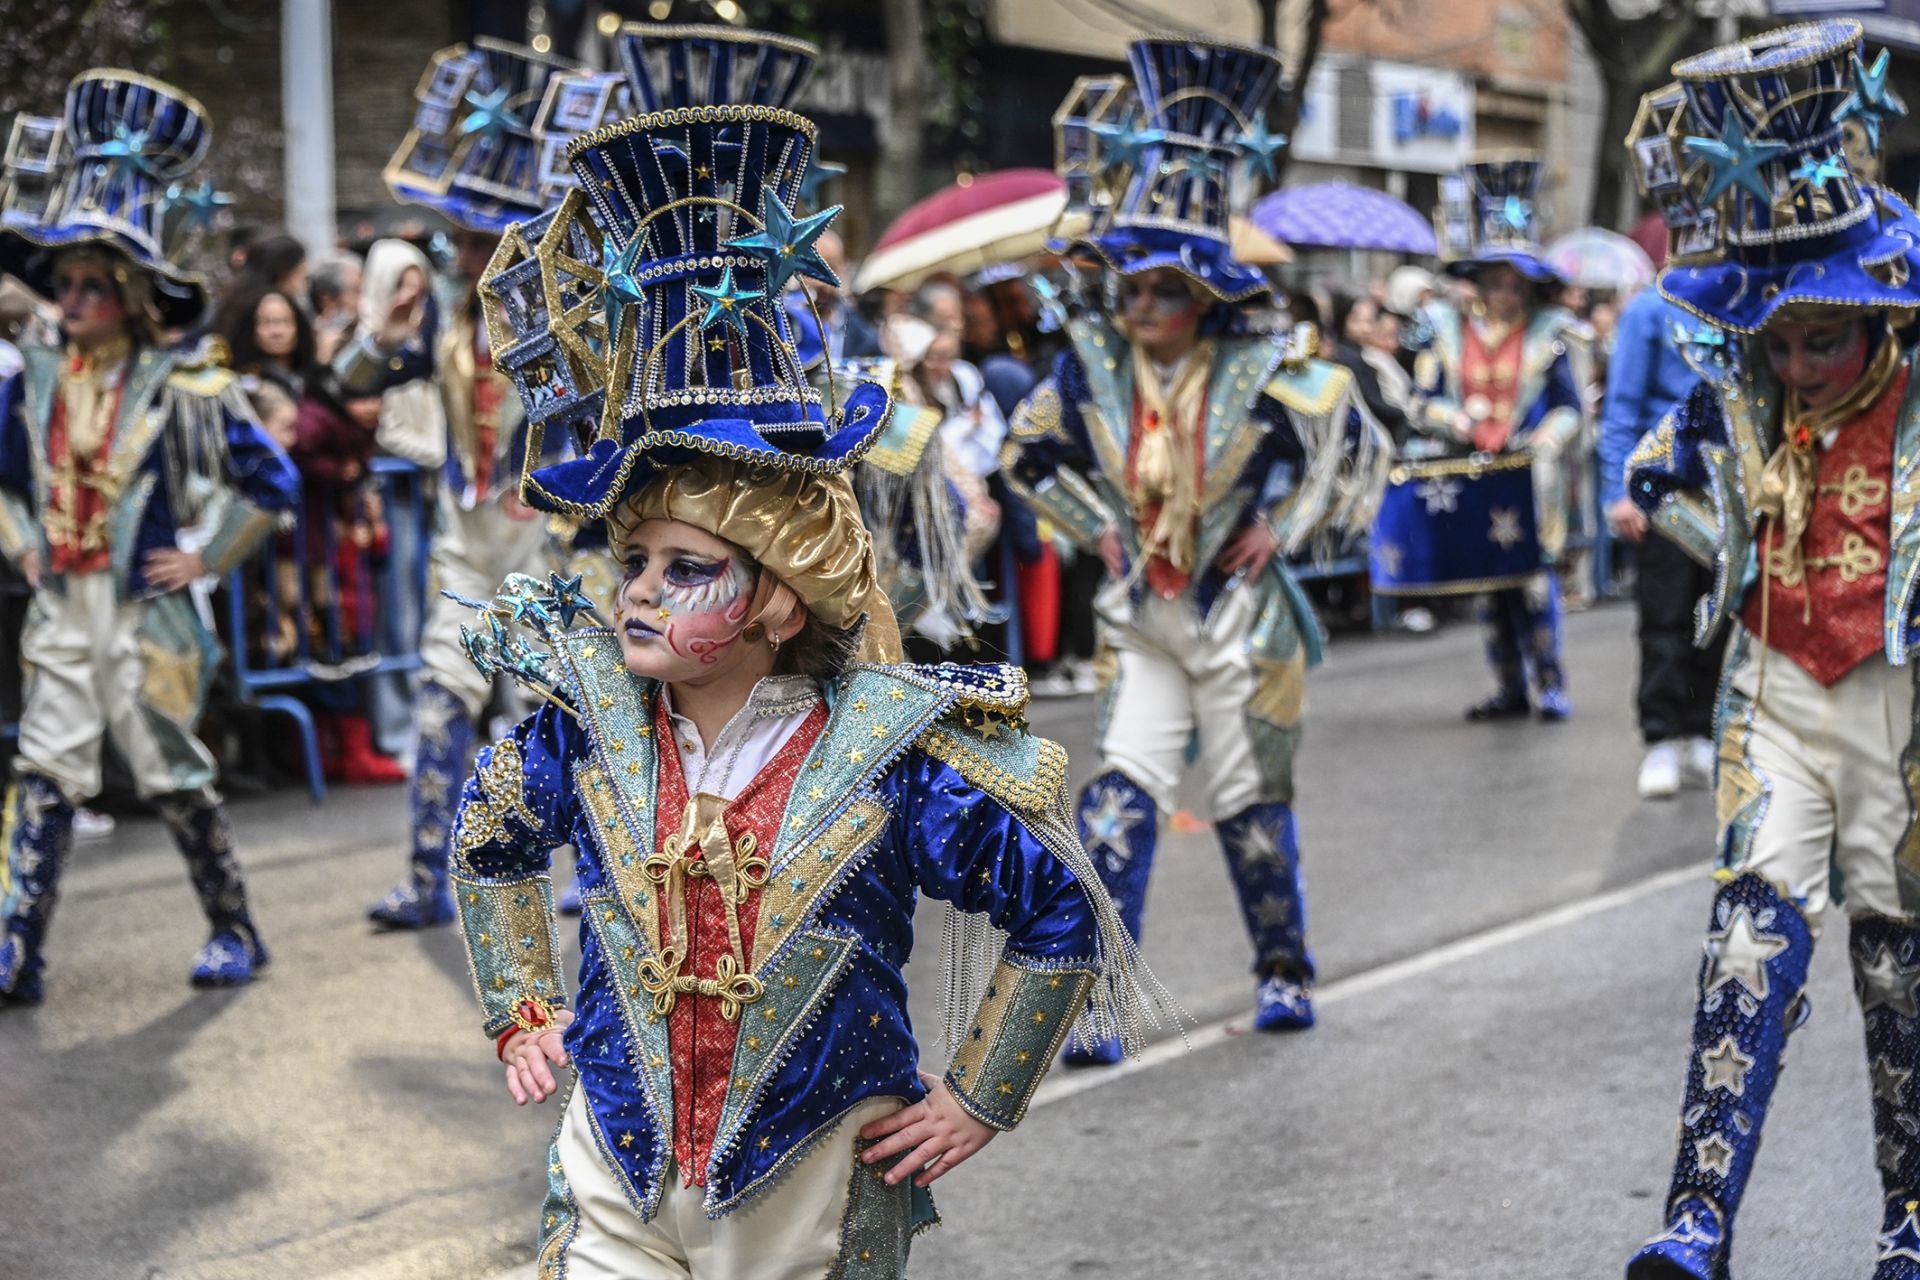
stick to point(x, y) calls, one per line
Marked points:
point(990, 219)
point(1599, 259)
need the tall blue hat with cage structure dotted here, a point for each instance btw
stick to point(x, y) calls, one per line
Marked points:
point(1489, 215)
point(117, 168)
point(645, 311)
point(1749, 164)
point(471, 154)
point(1197, 117)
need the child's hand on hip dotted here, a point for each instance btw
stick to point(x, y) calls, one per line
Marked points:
point(936, 1130)
point(528, 1077)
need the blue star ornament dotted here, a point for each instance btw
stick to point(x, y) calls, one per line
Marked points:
point(491, 116)
point(786, 244)
point(819, 173)
point(127, 149)
point(725, 303)
point(1819, 170)
point(1904, 1240)
point(1734, 159)
point(1260, 146)
point(619, 290)
point(1871, 102)
point(1124, 143)
point(569, 601)
point(202, 205)
point(1207, 166)
point(1516, 213)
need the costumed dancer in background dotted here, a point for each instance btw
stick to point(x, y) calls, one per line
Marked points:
point(1794, 479)
point(1487, 512)
point(471, 155)
point(1190, 457)
point(109, 448)
point(756, 805)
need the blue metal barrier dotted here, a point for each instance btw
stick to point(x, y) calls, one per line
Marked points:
point(261, 601)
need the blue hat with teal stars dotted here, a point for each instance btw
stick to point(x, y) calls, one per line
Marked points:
point(120, 168)
point(1489, 216)
point(1764, 171)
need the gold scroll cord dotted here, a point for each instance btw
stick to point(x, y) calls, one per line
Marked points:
point(737, 869)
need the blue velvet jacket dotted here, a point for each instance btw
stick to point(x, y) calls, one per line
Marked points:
point(185, 449)
point(921, 780)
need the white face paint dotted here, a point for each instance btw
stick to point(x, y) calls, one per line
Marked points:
point(684, 602)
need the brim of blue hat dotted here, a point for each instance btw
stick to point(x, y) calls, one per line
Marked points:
point(1846, 269)
point(611, 472)
point(1530, 265)
point(1131, 250)
point(489, 217)
point(28, 250)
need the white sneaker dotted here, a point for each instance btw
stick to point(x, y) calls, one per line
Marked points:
point(1415, 621)
point(89, 825)
point(1086, 678)
point(1697, 763)
point(1660, 771)
point(1056, 683)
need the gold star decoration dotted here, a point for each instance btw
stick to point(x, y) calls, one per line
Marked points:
point(859, 704)
point(1023, 1057)
point(486, 939)
point(879, 731)
point(789, 982)
point(874, 1021)
point(753, 1042)
point(856, 755)
point(898, 695)
point(1005, 1087)
point(815, 793)
point(765, 1143)
point(1039, 1017)
point(626, 1140)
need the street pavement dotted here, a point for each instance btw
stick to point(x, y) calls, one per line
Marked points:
point(1507, 941)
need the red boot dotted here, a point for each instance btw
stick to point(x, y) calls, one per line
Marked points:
point(360, 763)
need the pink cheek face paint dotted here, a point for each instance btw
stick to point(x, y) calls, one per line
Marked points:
point(706, 608)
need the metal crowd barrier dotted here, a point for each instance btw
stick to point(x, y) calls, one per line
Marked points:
point(332, 643)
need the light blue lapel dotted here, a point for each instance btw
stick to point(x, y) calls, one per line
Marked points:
point(1904, 564)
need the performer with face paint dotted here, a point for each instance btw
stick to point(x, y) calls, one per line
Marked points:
point(758, 790)
point(1189, 455)
point(1480, 504)
point(1790, 474)
point(472, 156)
point(110, 447)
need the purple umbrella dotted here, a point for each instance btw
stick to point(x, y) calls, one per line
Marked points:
point(1340, 215)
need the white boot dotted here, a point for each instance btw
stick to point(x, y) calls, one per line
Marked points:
point(1660, 771)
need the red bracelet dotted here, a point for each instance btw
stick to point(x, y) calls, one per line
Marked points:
point(500, 1045)
point(531, 1016)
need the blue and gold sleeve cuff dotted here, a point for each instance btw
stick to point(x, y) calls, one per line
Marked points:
point(1015, 1037)
point(513, 946)
point(1070, 502)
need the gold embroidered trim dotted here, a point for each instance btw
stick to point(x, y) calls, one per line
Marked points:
point(503, 794)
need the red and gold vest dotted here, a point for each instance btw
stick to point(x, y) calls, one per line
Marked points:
point(1161, 575)
point(1489, 379)
point(700, 1040)
point(1829, 617)
point(80, 489)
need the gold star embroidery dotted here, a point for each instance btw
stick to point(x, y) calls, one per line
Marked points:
point(1005, 1087)
point(856, 755)
point(819, 953)
point(656, 1062)
point(815, 793)
point(1053, 983)
point(898, 695)
point(716, 344)
point(499, 984)
point(486, 939)
point(606, 701)
point(879, 731)
point(646, 731)
point(1039, 1017)
point(789, 982)
point(753, 1042)
point(626, 1139)
point(1022, 1057)
point(795, 822)
point(770, 1015)
point(859, 704)
point(874, 1021)
point(765, 1143)
point(633, 768)
point(626, 953)
point(588, 651)
point(739, 1082)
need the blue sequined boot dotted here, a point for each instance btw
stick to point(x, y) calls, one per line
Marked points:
point(1119, 825)
point(1543, 635)
point(42, 833)
point(1751, 981)
point(444, 735)
point(1262, 845)
point(1886, 972)
point(1502, 630)
point(233, 953)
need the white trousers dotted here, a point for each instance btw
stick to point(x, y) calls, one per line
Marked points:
point(473, 552)
point(796, 1230)
point(97, 667)
point(1830, 759)
point(1172, 680)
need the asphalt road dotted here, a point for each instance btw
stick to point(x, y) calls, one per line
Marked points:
point(1506, 937)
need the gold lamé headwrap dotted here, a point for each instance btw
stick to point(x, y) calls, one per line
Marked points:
point(1787, 484)
point(1165, 466)
point(804, 529)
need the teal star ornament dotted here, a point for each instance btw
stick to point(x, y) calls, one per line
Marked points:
point(725, 303)
point(786, 244)
point(619, 290)
point(1124, 144)
point(1734, 159)
point(1871, 102)
point(819, 173)
point(569, 600)
point(1260, 146)
point(1516, 213)
point(1207, 166)
point(491, 116)
point(202, 205)
point(1820, 170)
point(127, 149)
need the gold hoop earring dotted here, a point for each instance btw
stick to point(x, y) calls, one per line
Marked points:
point(773, 640)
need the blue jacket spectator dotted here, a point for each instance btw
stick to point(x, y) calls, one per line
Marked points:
point(1646, 377)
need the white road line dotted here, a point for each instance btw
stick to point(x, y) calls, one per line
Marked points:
point(1062, 1084)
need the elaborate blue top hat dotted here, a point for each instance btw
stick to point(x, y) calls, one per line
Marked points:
point(1489, 216)
point(1749, 166)
point(471, 153)
point(1202, 108)
point(113, 170)
point(651, 300)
